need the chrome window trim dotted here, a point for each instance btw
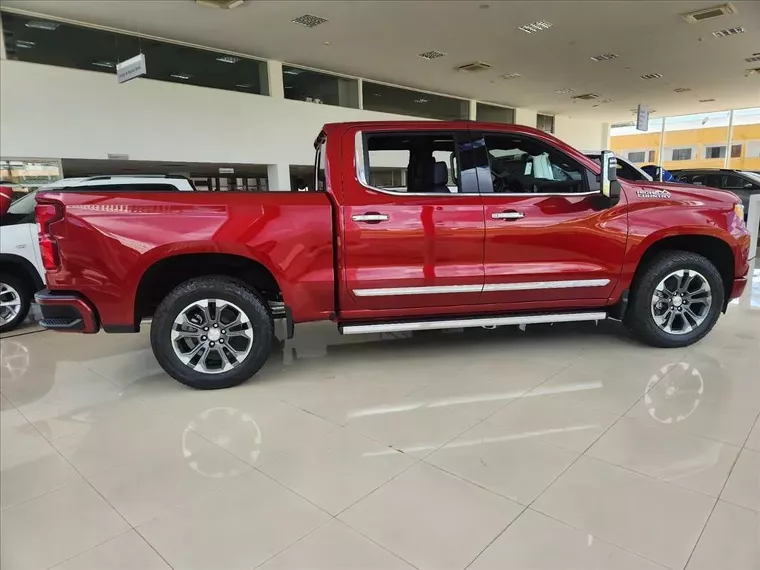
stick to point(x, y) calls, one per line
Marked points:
point(488, 288)
point(361, 174)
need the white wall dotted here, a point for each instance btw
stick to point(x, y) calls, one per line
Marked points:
point(55, 112)
point(582, 134)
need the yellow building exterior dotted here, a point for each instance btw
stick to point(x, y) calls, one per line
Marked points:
point(694, 148)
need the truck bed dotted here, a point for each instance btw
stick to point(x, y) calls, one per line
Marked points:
point(108, 241)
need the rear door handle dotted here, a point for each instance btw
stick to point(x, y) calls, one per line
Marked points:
point(370, 217)
point(507, 215)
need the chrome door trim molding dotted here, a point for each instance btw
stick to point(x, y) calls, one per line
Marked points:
point(470, 323)
point(370, 218)
point(529, 286)
point(443, 289)
point(433, 290)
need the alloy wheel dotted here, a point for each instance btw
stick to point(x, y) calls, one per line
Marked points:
point(681, 302)
point(212, 336)
point(10, 303)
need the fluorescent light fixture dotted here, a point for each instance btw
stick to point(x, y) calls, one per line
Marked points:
point(422, 100)
point(565, 91)
point(309, 20)
point(605, 57)
point(510, 76)
point(108, 64)
point(648, 76)
point(228, 59)
point(244, 85)
point(535, 27)
point(432, 54)
point(181, 76)
point(721, 33)
point(23, 44)
point(42, 25)
point(292, 72)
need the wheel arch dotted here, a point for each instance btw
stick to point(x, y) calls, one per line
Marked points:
point(165, 274)
point(716, 250)
point(24, 269)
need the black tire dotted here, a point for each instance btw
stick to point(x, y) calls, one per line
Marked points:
point(639, 319)
point(25, 296)
point(246, 299)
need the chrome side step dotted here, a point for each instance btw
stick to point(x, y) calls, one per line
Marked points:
point(493, 321)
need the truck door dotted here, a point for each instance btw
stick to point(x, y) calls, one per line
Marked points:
point(413, 225)
point(549, 237)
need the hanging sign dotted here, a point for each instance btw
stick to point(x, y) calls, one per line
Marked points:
point(131, 68)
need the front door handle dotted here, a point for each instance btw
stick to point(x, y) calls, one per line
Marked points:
point(370, 217)
point(508, 215)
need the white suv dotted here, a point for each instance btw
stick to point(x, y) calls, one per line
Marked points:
point(21, 271)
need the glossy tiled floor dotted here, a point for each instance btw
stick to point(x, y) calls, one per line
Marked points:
point(571, 448)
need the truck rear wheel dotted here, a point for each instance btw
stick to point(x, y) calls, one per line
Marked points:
point(676, 301)
point(212, 333)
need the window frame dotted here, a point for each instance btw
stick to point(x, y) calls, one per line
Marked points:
point(587, 171)
point(361, 148)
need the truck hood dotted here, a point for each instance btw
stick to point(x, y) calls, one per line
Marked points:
point(692, 194)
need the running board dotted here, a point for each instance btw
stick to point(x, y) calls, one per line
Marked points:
point(493, 321)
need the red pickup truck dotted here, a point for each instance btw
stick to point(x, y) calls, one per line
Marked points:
point(409, 226)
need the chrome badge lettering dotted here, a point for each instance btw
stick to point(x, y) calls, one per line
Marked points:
point(653, 193)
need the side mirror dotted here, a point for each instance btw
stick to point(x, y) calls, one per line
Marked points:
point(6, 193)
point(609, 182)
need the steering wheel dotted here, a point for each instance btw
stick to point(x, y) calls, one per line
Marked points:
point(504, 182)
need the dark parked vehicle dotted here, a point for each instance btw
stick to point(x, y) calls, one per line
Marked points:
point(743, 183)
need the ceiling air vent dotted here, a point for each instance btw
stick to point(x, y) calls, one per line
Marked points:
point(226, 4)
point(752, 59)
point(309, 20)
point(682, 89)
point(728, 32)
point(432, 54)
point(706, 100)
point(651, 76)
point(565, 91)
point(510, 76)
point(475, 66)
point(708, 13)
point(586, 97)
point(605, 57)
point(535, 27)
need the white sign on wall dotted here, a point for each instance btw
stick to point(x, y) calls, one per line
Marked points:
point(131, 68)
point(642, 118)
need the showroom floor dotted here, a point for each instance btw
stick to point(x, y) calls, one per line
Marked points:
point(567, 447)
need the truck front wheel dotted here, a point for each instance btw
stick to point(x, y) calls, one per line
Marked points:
point(212, 333)
point(676, 300)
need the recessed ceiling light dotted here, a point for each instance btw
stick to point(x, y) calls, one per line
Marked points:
point(565, 91)
point(432, 54)
point(108, 64)
point(535, 27)
point(42, 24)
point(228, 59)
point(651, 76)
point(605, 57)
point(309, 20)
point(706, 100)
point(510, 76)
point(180, 76)
point(24, 44)
point(422, 100)
point(720, 33)
point(682, 89)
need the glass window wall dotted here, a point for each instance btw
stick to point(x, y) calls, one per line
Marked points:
point(322, 88)
point(387, 99)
